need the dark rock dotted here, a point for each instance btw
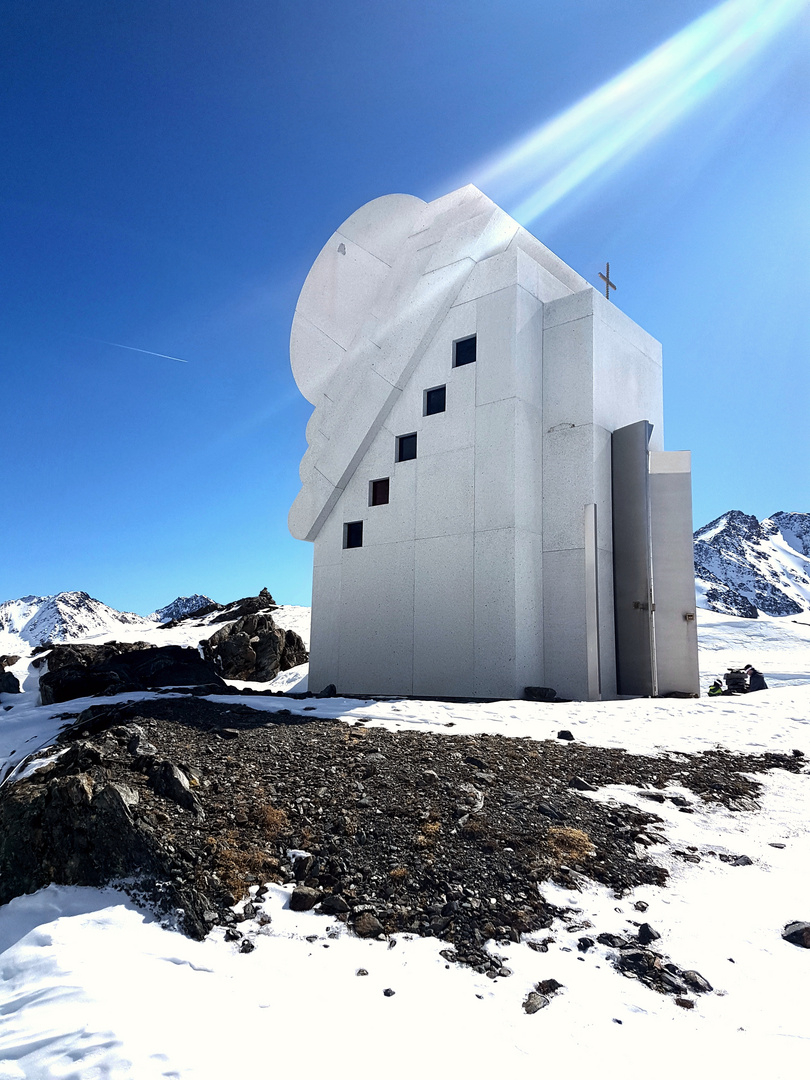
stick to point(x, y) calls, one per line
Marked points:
point(246, 946)
point(367, 925)
point(64, 828)
point(742, 860)
point(302, 867)
point(389, 992)
point(671, 983)
point(534, 1002)
point(696, 981)
point(304, 898)
point(797, 933)
point(9, 683)
point(613, 941)
point(86, 670)
point(232, 934)
point(548, 811)
point(361, 971)
point(248, 605)
point(167, 780)
point(547, 987)
point(565, 734)
point(578, 784)
point(253, 648)
point(685, 1003)
point(539, 693)
point(584, 943)
point(646, 934)
point(332, 904)
point(328, 691)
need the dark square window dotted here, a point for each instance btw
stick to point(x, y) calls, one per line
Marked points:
point(378, 492)
point(435, 400)
point(464, 352)
point(406, 447)
point(353, 534)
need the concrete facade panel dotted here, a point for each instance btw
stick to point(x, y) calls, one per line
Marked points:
point(495, 465)
point(495, 651)
point(565, 639)
point(568, 374)
point(445, 494)
point(443, 616)
point(495, 367)
point(376, 619)
point(529, 658)
point(568, 485)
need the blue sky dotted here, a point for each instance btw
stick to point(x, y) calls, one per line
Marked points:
point(171, 170)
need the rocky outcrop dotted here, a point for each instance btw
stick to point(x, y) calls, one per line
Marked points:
point(71, 823)
point(87, 670)
point(253, 648)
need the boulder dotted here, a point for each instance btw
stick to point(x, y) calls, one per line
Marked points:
point(534, 1002)
point(86, 670)
point(9, 684)
point(798, 933)
point(254, 649)
point(367, 925)
point(303, 898)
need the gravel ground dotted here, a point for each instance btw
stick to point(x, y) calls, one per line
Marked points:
point(449, 836)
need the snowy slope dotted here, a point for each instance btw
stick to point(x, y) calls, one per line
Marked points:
point(743, 566)
point(93, 987)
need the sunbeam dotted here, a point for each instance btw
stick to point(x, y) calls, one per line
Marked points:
point(625, 114)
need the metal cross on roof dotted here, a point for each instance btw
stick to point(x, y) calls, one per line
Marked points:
point(606, 278)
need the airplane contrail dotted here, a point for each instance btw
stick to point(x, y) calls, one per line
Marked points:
point(148, 352)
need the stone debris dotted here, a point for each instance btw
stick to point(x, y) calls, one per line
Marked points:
point(534, 1003)
point(387, 832)
point(798, 933)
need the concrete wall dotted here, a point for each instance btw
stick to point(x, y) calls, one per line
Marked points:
point(484, 573)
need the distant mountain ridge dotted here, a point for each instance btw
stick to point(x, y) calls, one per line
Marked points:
point(182, 607)
point(63, 617)
point(71, 616)
point(744, 566)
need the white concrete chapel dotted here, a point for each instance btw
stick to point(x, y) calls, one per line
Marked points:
point(486, 488)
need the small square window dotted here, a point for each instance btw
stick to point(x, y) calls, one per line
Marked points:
point(435, 400)
point(406, 447)
point(353, 534)
point(378, 491)
point(464, 351)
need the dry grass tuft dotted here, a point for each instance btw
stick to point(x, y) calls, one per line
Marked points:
point(571, 845)
point(274, 822)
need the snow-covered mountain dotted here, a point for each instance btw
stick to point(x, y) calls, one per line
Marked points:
point(181, 608)
point(77, 617)
point(68, 616)
point(744, 566)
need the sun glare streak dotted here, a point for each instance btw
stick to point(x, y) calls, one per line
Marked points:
point(625, 114)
